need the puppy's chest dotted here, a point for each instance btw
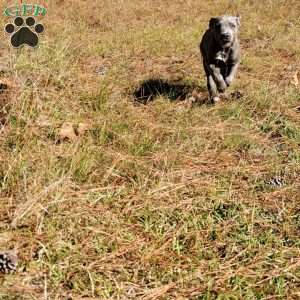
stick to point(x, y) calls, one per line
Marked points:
point(222, 57)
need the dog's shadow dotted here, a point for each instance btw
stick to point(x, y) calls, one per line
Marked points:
point(150, 89)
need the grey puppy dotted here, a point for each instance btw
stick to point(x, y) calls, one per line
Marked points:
point(220, 51)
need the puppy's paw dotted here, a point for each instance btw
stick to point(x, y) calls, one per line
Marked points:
point(228, 81)
point(222, 88)
point(215, 99)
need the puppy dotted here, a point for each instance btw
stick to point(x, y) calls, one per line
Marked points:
point(220, 51)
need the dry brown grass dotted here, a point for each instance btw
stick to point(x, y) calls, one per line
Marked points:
point(156, 201)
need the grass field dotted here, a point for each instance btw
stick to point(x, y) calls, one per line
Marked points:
point(104, 197)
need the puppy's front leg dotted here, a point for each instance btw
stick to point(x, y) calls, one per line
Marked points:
point(212, 89)
point(232, 69)
point(215, 72)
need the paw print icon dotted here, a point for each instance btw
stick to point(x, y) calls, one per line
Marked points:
point(24, 32)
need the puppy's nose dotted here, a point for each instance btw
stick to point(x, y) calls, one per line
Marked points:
point(225, 36)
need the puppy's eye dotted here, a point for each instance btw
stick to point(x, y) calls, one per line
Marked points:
point(232, 25)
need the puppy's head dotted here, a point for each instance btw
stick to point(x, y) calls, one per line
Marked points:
point(225, 29)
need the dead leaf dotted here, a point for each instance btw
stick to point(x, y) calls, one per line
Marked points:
point(6, 84)
point(295, 80)
point(43, 121)
point(67, 132)
point(3, 86)
point(83, 128)
point(71, 132)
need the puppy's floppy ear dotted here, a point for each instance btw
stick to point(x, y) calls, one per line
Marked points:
point(238, 20)
point(212, 22)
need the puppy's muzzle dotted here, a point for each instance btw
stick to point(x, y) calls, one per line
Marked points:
point(225, 37)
